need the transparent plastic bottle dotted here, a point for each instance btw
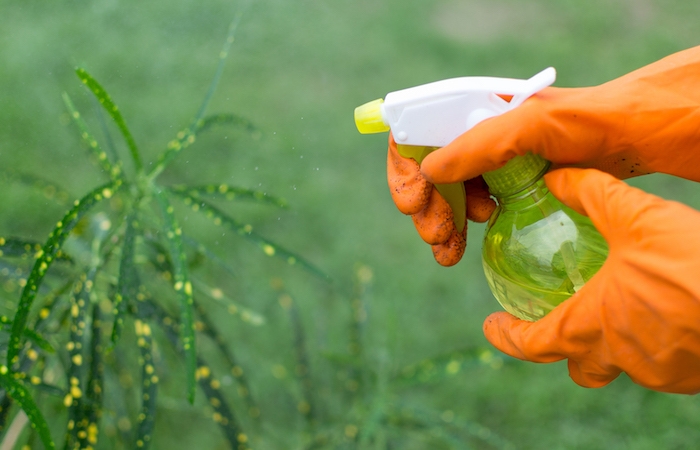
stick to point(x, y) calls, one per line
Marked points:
point(537, 252)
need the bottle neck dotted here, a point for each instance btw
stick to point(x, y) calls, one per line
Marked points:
point(528, 196)
point(516, 175)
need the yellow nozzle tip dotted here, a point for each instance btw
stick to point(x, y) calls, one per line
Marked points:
point(368, 118)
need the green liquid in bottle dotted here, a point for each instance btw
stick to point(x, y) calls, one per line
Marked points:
point(537, 252)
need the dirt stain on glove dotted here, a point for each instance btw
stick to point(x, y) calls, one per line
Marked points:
point(435, 223)
point(409, 190)
point(449, 253)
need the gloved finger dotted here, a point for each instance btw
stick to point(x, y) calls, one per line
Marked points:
point(571, 331)
point(480, 205)
point(435, 222)
point(588, 373)
point(487, 146)
point(568, 331)
point(545, 342)
point(450, 252)
point(529, 341)
point(409, 189)
point(552, 123)
point(667, 379)
point(565, 333)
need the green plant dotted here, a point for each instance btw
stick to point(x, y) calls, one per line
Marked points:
point(120, 256)
point(116, 286)
point(365, 405)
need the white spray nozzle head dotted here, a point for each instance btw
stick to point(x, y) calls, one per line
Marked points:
point(434, 114)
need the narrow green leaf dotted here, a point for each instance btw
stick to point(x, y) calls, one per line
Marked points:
point(237, 121)
point(149, 385)
point(207, 327)
point(187, 136)
point(418, 431)
point(85, 381)
point(223, 54)
point(21, 395)
point(113, 171)
point(48, 189)
point(31, 335)
point(448, 365)
point(76, 432)
point(96, 377)
point(268, 247)
point(207, 253)
point(225, 192)
point(20, 248)
point(183, 139)
point(30, 357)
point(45, 257)
point(345, 361)
point(160, 259)
point(126, 284)
point(38, 340)
point(233, 308)
point(158, 254)
point(446, 425)
point(223, 414)
point(121, 405)
point(307, 405)
point(99, 112)
point(104, 98)
point(50, 301)
point(183, 287)
point(50, 389)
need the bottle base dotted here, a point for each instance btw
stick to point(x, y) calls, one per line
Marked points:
point(523, 302)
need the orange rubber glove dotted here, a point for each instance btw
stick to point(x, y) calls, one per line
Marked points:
point(644, 122)
point(640, 314)
point(431, 214)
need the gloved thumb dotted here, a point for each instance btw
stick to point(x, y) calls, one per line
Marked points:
point(487, 146)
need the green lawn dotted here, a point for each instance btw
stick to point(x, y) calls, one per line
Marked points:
point(297, 70)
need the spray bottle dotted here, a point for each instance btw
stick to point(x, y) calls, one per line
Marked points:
point(536, 252)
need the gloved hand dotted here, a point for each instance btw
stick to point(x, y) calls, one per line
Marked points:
point(640, 314)
point(644, 122)
point(431, 214)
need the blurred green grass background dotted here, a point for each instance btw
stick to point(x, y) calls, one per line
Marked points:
point(297, 70)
